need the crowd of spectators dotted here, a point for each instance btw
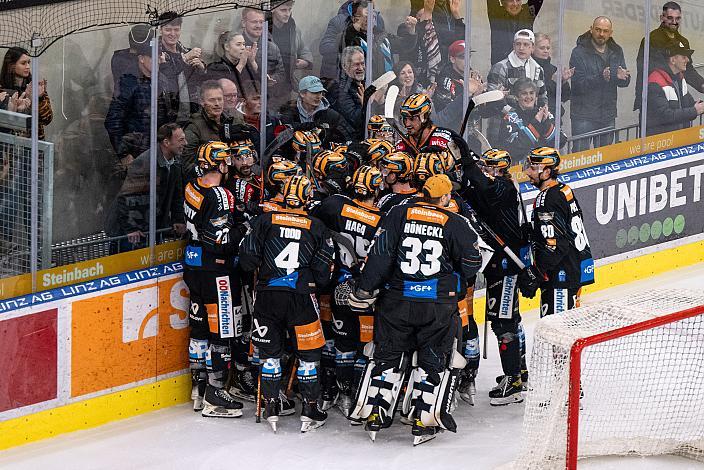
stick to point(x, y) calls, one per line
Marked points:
point(201, 93)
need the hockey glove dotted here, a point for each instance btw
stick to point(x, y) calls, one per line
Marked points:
point(361, 301)
point(529, 280)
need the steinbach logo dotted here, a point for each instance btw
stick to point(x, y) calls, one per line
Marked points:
point(360, 214)
point(225, 307)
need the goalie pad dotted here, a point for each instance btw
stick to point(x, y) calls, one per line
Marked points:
point(432, 402)
point(382, 390)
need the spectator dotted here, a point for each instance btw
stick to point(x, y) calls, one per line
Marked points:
point(447, 19)
point(526, 125)
point(184, 66)
point(236, 61)
point(448, 97)
point(252, 28)
point(129, 111)
point(252, 109)
point(129, 213)
point(329, 47)
point(294, 53)
point(125, 61)
point(385, 45)
point(660, 39)
point(312, 106)
point(541, 54)
point(346, 93)
point(406, 81)
point(16, 88)
point(231, 100)
point(599, 70)
point(205, 125)
point(670, 105)
point(506, 18)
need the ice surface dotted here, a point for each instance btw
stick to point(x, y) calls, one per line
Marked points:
point(177, 437)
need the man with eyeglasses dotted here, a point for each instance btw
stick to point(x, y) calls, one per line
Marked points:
point(661, 40)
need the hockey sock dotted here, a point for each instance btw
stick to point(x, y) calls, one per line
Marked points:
point(309, 384)
point(217, 361)
point(197, 351)
point(510, 354)
point(472, 353)
point(271, 377)
point(345, 362)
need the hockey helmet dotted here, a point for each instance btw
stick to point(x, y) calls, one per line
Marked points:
point(281, 170)
point(549, 157)
point(297, 191)
point(377, 150)
point(417, 104)
point(212, 154)
point(496, 158)
point(301, 140)
point(366, 181)
point(243, 148)
point(328, 163)
point(376, 123)
point(399, 163)
point(427, 164)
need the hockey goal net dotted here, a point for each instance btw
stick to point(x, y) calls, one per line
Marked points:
point(621, 377)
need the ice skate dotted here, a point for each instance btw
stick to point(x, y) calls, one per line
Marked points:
point(244, 385)
point(197, 392)
point(524, 386)
point(311, 416)
point(422, 433)
point(288, 406)
point(374, 423)
point(329, 390)
point(507, 392)
point(467, 388)
point(272, 407)
point(218, 403)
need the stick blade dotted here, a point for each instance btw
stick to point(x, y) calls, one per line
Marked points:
point(488, 97)
point(390, 103)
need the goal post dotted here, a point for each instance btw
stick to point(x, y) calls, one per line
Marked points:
point(623, 377)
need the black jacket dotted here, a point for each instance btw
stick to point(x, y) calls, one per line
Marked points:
point(594, 98)
point(504, 26)
point(344, 99)
point(659, 42)
point(551, 85)
point(336, 128)
point(670, 105)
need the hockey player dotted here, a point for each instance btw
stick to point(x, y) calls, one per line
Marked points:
point(331, 174)
point(397, 176)
point(415, 116)
point(379, 128)
point(493, 195)
point(294, 257)
point(355, 219)
point(209, 257)
point(427, 164)
point(563, 260)
point(274, 180)
point(378, 149)
point(413, 258)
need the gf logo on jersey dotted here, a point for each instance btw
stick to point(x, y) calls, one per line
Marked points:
point(262, 330)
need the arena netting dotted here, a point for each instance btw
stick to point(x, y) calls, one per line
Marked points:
point(35, 28)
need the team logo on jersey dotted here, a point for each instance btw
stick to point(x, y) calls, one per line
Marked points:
point(421, 290)
point(587, 270)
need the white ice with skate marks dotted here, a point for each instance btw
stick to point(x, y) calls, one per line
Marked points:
point(177, 438)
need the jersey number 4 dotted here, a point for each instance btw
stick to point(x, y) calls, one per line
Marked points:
point(422, 256)
point(288, 258)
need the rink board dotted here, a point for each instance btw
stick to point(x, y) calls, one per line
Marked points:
point(82, 355)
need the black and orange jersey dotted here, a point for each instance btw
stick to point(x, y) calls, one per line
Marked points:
point(391, 200)
point(213, 235)
point(353, 220)
point(559, 239)
point(421, 252)
point(291, 250)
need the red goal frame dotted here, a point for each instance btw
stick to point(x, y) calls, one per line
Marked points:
point(576, 369)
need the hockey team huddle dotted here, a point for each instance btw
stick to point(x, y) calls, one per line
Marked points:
point(343, 275)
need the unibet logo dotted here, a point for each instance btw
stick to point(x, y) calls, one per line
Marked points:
point(140, 312)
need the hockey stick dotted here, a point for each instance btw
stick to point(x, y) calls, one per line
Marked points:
point(258, 418)
point(489, 96)
point(389, 104)
point(377, 84)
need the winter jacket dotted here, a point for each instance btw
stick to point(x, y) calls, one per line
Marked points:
point(659, 42)
point(670, 105)
point(504, 26)
point(329, 47)
point(551, 85)
point(448, 88)
point(593, 98)
point(507, 72)
point(520, 132)
point(385, 46)
point(344, 99)
point(200, 130)
point(336, 127)
point(298, 51)
point(226, 69)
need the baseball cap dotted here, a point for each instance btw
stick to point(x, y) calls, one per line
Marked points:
point(437, 185)
point(524, 34)
point(678, 49)
point(311, 83)
point(457, 48)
